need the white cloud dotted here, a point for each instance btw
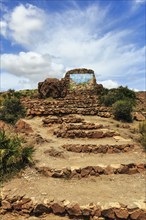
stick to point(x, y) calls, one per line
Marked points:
point(108, 84)
point(24, 23)
point(9, 81)
point(31, 65)
point(72, 38)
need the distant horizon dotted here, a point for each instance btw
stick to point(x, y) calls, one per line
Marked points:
point(43, 39)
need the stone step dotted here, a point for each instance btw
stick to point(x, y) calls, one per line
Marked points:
point(93, 148)
point(82, 172)
point(66, 111)
point(100, 133)
point(29, 210)
point(107, 191)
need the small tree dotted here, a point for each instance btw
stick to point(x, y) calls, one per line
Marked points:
point(11, 109)
point(122, 110)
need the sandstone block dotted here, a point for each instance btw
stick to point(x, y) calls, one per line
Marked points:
point(58, 208)
point(74, 210)
point(108, 213)
point(121, 213)
point(135, 214)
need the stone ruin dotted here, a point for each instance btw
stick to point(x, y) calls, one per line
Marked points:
point(76, 81)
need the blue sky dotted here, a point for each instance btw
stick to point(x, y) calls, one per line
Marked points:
point(45, 38)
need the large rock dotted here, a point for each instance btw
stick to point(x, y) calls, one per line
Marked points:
point(52, 87)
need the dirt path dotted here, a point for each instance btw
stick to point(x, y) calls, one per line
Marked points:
point(126, 189)
point(71, 159)
point(106, 190)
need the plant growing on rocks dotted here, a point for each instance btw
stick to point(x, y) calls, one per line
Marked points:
point(13, 155)
point(11, 109)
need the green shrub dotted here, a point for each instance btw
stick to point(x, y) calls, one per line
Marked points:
point(122, 110)
point(11, 109)
point(13, 156)
point(121, 93)
point(142, 130)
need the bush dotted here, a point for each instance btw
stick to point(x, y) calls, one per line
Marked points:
point(142, 130)
point(121, 93)
point(11, 109)
point(13, 156)
point(122, 110)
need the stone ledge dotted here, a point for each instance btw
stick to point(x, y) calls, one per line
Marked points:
point(25, 206)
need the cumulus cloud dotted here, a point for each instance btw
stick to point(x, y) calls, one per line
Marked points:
point(76, 37)
point(109, 84)
point(24, 23)
point(31, 65)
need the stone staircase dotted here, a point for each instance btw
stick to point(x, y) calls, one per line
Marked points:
point(82, 176)
point(69, 105)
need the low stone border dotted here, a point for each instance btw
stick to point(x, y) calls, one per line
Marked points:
point(25, 206)
point(93, 148)
point(59, 120)
point(64, 133)
point(82, 126)
point(79, 173)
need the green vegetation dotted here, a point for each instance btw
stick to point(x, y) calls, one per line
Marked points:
point(11, 109)
point(13, 156)
point(122, 110)
point(109, 97)
point(122, 100)
point(142, 130)
point(31, 93)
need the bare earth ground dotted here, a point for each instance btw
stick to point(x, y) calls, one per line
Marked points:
point(105, 190)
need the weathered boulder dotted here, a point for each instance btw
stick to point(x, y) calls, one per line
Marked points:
point(52, 87)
